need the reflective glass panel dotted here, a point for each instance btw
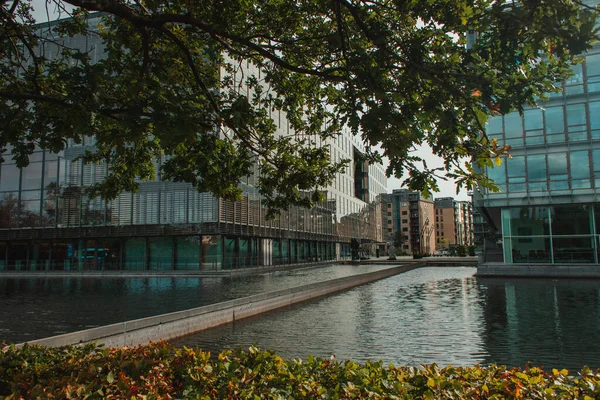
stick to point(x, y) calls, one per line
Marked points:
point(536, 167)
point(212, 253)
point(513, 125)
point(526, 221)
point(516, 166)
point(533, 119)
point(576, 114)
point(161, 253)
point(528, 250)
point(577, 250)
point(188, 252)
point(555, 119)
point(9, 177)
point(580, 164)
point(571, 220)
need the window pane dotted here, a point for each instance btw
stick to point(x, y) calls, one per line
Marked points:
point(533, 119)
point(557, 165)
point(536, 167)
point(570, 220)
point(516, 166)
point(497, 174)
point(576, 114)
point(32, 176)
point(580, 164)
point(594, 120)
point(555, 120)
point(527, 221)
point(592, 64)
point(9, 177)
point(494, 125)
point(513, 127)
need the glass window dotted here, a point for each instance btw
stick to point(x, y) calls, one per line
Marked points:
point(516, 166)
point(580, 164)
point(594, 107)
point(513, 125)
point(135, 254)
point(533, 119)
point(577, 250)
point(494, 125)
point(574, 85)
point(557, 171)
point(9, 177)
point(555, 119)
point(526, 221)
point(592, 64)
point(536, 172)
point(571, 220)
point(527, 249)
point(576, 114)
point(32, 176)
point(161, 253)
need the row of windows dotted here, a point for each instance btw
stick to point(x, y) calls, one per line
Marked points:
point(542, 172)
point(548, 125)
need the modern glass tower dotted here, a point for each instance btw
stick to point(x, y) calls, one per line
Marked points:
point(48, 223)
point(548, 207)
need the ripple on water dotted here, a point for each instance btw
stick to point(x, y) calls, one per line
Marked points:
point(441, 315)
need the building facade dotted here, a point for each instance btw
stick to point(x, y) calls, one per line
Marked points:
point(412, 215)
point(548, 206)
point(453, 223)
point(48, 223)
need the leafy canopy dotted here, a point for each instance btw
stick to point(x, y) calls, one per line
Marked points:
point(199, 83)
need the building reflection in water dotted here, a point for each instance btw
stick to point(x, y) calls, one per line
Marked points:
point(550, 323)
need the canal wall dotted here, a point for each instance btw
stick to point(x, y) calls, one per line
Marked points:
point(180, 323)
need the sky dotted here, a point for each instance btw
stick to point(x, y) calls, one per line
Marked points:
point(447, 188)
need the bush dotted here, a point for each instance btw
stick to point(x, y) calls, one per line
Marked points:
point(472, 250)
point(461, 250)
point(161, 371)
point(417, 256)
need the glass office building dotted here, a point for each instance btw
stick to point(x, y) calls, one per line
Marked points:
point(48, 223)
point(548, 207)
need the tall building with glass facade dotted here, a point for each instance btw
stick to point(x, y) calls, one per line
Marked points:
point(548, 207)
point(48, 223)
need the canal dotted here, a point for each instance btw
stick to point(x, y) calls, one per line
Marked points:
point(441, 315)
point(38, 307)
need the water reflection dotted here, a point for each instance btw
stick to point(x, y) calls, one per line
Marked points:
point(32, 308)
point(442, 315)
point(543, 321)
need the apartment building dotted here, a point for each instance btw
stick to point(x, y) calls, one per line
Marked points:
point(453, 223)
point(412, 215)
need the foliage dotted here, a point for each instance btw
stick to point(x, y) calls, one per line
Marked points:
point(417, 256)
point(355, 249)
point(472, 250)
point(398, 239)
point(199, 85)
point(161, 371)
point(461, 250)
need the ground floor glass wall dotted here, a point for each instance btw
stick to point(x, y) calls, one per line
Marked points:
point(551, 234)
point(157, 253)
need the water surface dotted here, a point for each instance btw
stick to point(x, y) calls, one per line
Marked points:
point(441, 315)
point(33, 308)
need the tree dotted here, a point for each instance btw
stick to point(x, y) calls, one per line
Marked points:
point(398, 74)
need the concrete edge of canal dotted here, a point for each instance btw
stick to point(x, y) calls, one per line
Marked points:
point(181, 323)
